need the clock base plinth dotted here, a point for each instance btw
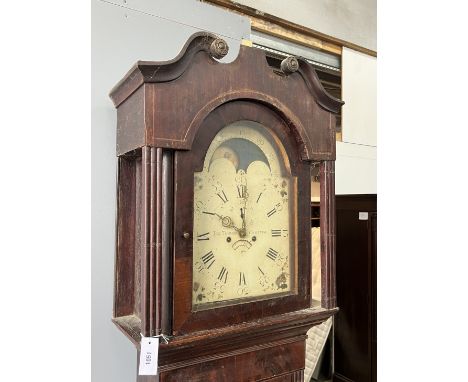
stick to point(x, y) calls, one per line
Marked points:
point(266, 350)
point(277, 363)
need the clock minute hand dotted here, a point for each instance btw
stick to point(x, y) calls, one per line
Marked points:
point(242, 210)
point(245, 195)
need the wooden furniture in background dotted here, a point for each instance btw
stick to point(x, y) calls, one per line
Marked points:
point(355, 344)
point(167, 115)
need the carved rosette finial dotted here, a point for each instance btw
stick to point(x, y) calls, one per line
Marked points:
point(289, 65)
point(219, 48)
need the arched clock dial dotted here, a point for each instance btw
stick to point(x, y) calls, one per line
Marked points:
point(244, 219)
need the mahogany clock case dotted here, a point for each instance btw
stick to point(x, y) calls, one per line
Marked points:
point(167, 115)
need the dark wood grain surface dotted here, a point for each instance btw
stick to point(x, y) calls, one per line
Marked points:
point(124, 297)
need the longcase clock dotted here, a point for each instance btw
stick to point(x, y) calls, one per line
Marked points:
point(213, 212)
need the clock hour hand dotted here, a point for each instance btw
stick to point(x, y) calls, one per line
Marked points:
point(226, 221)
point(242, 231)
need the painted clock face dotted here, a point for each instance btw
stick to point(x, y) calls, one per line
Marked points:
point(244, 219)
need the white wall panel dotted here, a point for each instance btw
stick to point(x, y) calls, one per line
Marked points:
point(359, 91)
point(355, 169)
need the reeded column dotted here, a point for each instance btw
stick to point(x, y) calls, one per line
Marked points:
point(328, 233)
